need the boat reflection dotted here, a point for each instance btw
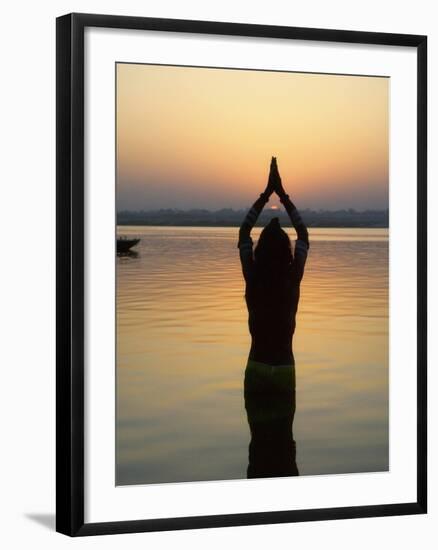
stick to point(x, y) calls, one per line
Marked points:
point(127, 254)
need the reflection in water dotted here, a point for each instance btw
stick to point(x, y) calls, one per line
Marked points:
point(128, 254)
point(270, 407)
point(182, 341)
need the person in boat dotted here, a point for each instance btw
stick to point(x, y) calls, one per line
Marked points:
point(273, 274)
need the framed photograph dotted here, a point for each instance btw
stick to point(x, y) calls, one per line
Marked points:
point(241, 274)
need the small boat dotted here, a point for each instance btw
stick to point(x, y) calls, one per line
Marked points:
point(124, 244)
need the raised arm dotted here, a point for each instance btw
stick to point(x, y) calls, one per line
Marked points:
point(251, 217)
point(245, 241)
point(302, 242)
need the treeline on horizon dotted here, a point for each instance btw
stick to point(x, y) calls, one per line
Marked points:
point(227, 217)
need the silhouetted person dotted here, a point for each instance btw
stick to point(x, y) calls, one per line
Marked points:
point(272, 274)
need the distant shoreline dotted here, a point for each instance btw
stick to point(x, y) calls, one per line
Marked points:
point(218, 225)
point(227, 217)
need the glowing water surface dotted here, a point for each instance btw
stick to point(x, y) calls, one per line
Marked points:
point(182, 345)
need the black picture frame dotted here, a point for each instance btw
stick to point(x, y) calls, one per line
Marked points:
point(70, 273)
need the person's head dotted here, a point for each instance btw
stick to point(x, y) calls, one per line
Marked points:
point(273, 253)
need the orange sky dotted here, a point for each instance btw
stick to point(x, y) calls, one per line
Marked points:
point(198, 137)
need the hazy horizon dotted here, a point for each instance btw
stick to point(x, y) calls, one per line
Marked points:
point(191, 137)
point(273, 208)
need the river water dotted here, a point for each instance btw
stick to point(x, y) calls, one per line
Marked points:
point(182, 347)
